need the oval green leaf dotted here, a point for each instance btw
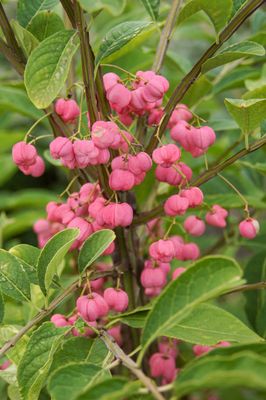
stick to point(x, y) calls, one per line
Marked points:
point(232, 53)
point(245, 370)
point(114, 7)
point(52, 254)
point(152, 6)
point(27, 41)
point(27, 9)
point(37, 359)
point(48, 66)
point(72, 379)
point(2, 308)
point(28, 256)
point(14, 281)
point(208, 325)
point(45, 24)
point(206, 279)
point(118, 37)
point(93, 248)
point(247, 113)
point(219, 11)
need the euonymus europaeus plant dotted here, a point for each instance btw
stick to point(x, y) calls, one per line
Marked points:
point(132, 227)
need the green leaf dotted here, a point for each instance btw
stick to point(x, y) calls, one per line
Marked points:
point(8, 138)
point(26, 39)
point(45, 24)
point(205, 279)
point(47, 67)
point(110, 389)
point(118, 37)
point(259, 167)
point(247, 113)
point(21, 221)
point(9, 374)
point(72, 379)
point(28, 257)
point(258, 93)
point(232, 53)
point(152, 6)
point(245, 370)
point(255, 271)
point(209, 325)
point(93, 247)
point(27, 9)
point(37, 359)
point(16, 100)
point(7, 167)
point(219, 11)
point(52, 254)
point(230, 200)
point(6, 333)
point(78, 349)
point(135, 318)
point(114, 7)
point(2, 308)
point(35, 198)
point(14, 281)
point(237, 4)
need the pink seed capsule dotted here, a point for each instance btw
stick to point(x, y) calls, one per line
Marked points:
point(59, 320)
point(249, 228)
point(162, 250)
point(117, 214)
point(103, 133)
point(191, 251)
point(194, 196)
point(116, 333)
point(199, 349)
point(110, 80)
point(194, 225)
point(24, 154)
point(203, 137)
point(177, 272)
point(152, 278)
point(119, 96)
point(84, 151)
point(121, 180)
point(117, 299)
point(92, 307)
point(216, 217)
point(162, 365)
point(166, 155)
point(61, 147)
point(178, 243)
point(176, 205)
point(68, 109)
point(181, 113)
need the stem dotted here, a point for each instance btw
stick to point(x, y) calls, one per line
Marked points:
point(9, 35)
point(166, 35)
point(195, 72)
point(248, 286)
point(130, 364)
point(237, 192)
point(45, 312)
point(203, 178)
point(35, 124)
point(87, 64)
point(68, 7)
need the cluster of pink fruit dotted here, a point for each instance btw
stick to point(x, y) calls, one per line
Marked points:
point(143, 94)
point(95, 305)
point(86, 210)
point(25, 156)
point(90, 211)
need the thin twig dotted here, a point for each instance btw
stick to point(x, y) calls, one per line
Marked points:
point(166, 35)
point(45, 312)
point(130, 364)
point(203, 178)
point(248, 286)
point(195, 72)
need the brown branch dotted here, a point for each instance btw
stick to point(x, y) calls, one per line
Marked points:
point(166, 35)
point(248, 286)
point(130, 364)
point(45, 312)
point(203, 178)
point(195, 72)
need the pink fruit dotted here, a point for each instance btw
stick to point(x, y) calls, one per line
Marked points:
point(249, 228)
